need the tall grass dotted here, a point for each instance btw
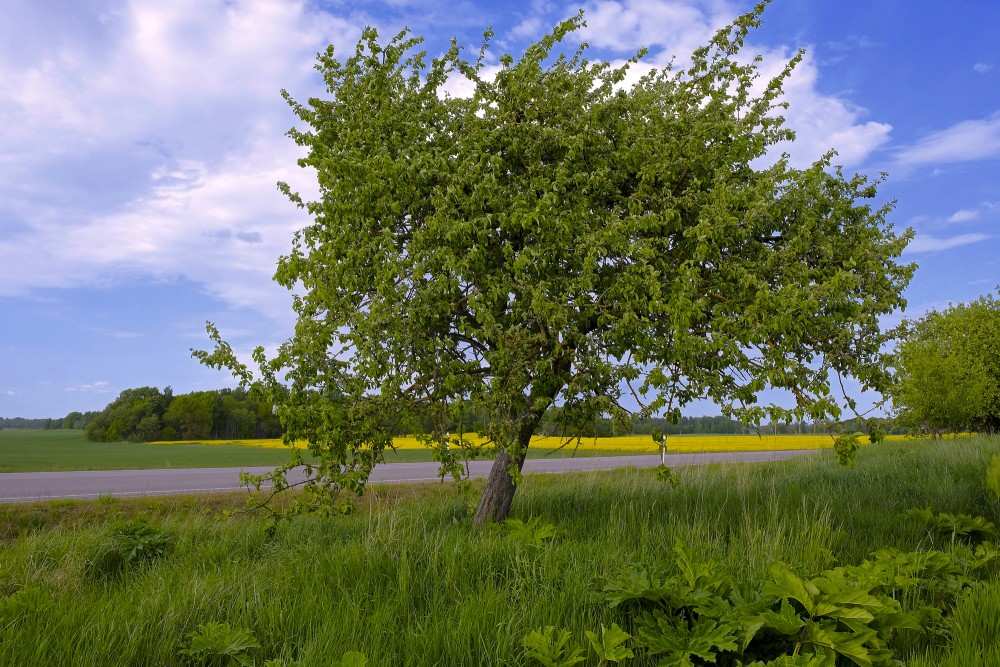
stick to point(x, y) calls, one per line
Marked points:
point(408, 581)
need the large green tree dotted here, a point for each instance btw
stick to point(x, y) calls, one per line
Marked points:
point(561, 237)
point(135, 416)
point(949, 370)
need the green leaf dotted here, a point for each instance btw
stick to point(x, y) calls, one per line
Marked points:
point(786, 584)
point(550, 648)
point(351, 659)
point(636, 584)
point(212, 640)
point(610, 646)
point(533, 533)
point(661, 634)
point(849, 645)
point(786, 620)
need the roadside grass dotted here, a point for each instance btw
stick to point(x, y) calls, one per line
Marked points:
point(408, 581)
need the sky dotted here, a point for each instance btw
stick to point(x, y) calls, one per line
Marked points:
point(141, 141)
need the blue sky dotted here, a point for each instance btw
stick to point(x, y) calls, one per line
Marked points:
point(142, 141)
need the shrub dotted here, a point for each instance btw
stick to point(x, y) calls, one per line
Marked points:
point(130, 544)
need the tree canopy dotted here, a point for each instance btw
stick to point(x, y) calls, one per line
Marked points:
point(949, 370)
point(145, 414)
point(561, 237)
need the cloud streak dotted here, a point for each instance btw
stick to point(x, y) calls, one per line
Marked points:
point(927, 243)
point(967, 141)
point(99, 387)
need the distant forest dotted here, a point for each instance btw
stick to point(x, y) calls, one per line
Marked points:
point(147, 413)
point(77, 420)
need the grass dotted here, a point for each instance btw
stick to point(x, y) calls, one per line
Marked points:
point(408, 581)
point(54, 450)
point(43, 451)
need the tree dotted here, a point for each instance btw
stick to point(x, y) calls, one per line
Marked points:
point(562, 238)
point(192, 415)
point(136, 416)
point(949, 370)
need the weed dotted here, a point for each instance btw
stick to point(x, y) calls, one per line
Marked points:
point(611, 646)
point(351, 659)
point(551, 648)
point(534, 532)
point(220, 644)
point(697, 612)
point(130, 544)
point(993, 477)
point(24, 604)
point(957, 526)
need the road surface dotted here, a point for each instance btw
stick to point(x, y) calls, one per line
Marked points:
point(34, 486)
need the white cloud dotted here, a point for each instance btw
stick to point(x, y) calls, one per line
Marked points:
point(963, 142)
point(223, 227)
point(928, 243)
point(963, 215)
point(982, 68)
point(823, 122)
point(99, 387)
point(675, 27)
point(529, 28)
point(130, 148)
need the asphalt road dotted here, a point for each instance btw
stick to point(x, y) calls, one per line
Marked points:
point(33, 486)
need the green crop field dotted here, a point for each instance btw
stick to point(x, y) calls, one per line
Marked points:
point(37, 451)
point(407, 580)
point(41, 451)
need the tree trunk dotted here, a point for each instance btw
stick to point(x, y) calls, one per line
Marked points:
point(499, 492)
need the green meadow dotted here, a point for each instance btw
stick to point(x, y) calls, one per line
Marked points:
point(43, 451)
point(407, 580)
point(47, 451)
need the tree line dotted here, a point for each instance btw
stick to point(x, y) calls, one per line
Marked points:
point(74, 420)
point(146, 414)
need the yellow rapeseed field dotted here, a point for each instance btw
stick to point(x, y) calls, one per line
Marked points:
point(639, 444)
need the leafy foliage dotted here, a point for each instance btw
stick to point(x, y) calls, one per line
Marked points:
point(29, 602)
point(551, 648)
point(553, 238)
point(993, 477)
point(667, 475)
point(696, 614)
point(219, 644)
point(136, 416)
point(611, 646)
point(351, 659)
point(949, 370)
point(958, 526)
point(846, 446)
point(130, 544)
point(534, 532)
point(146, 414)
point(876, 434)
